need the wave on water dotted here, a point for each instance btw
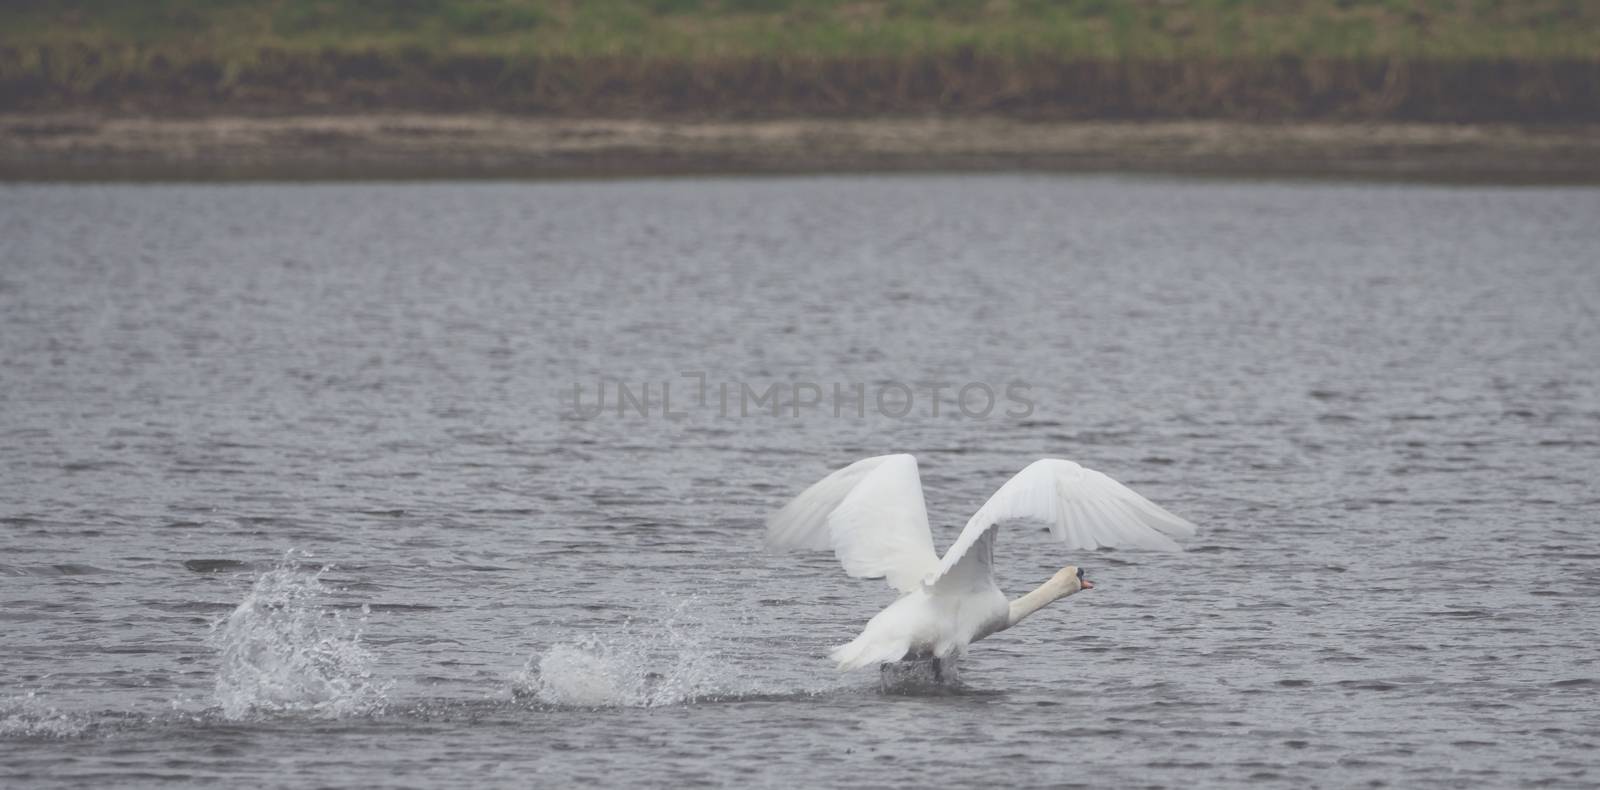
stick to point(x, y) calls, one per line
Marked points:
point(283, 652)
point(666, 663)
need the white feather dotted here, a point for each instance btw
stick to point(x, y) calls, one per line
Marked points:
point(871, 514)
point(1082, 508)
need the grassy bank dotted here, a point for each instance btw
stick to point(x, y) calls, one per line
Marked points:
point(1400, 59)
point(232, 32)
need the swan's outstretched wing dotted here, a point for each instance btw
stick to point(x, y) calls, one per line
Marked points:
point(871, 514)
point(1083, 508)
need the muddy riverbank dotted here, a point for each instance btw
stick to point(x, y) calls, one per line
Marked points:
point(79, 145)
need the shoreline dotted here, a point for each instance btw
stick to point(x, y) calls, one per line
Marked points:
point(84, 146)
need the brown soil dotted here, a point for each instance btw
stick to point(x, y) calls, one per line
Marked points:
point(400, 145)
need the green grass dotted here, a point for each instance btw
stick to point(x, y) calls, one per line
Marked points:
point(236, 31)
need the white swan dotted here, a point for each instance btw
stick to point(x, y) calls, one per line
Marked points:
point(871, 514)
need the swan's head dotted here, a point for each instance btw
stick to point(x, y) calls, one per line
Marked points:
point(1070, 580)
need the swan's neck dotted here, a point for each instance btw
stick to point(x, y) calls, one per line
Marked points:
point(1034, 601)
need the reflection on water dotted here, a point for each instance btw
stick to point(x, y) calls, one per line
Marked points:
point(1378, 402)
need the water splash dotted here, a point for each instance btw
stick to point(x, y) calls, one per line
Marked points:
point(666, 663)
point(921, 677)
point(27, 716)
point(282, 652)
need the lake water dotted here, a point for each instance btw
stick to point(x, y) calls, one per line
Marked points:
point(305, 484)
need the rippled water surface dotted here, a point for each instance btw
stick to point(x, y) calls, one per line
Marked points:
point(296, 489)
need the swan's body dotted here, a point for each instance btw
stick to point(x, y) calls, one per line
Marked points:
point(871, 514)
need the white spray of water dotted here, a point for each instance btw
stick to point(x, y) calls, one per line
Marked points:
point(27, 716)
point(665, 663)
point(282, 652)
